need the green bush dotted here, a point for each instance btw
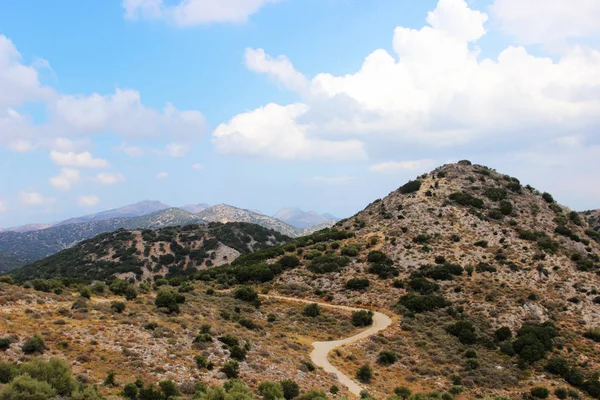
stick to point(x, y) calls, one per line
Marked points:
point(130, 391)
point(289, 261)
point(169, 299)
point(312, 310)
point(402, 392)
point(229, 340)
point(291, 389)
point(466, 199)
point(503, 333)
point(496, 194)
point(24, 387)
point(117, 306)
point(387, 357)
point(533, 341)
point(410, 187)
point(350, 250)
point(357, 284)
point(540, 392)
point(423, 303)
point(169, 389)
point(231, 369)
point(423, 285)
point(34, 344)
point(464, 331)
point(506, 207)
point(364, 374)
point(327, 264)
point(362, 318)
point(247, 294)
point(5, 343)
point(548, 197)
point(270, 390)
point(593, 333)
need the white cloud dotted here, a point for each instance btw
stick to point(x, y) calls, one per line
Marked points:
point(3, 207)
point(401, 166)
point(280, 69)
point(177, 150)
point(110, 178)
point(272, 131)
point(547, 21)
point(80, 160)
point(66, 179)
point(162, 175)
point(332, 180)
point(435, 91)
point(87, 201)
point(193, 12)
point(20, 146)
point(198, 166)
point(34, 199)
point(131, 151)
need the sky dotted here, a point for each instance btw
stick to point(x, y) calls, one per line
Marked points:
point(325, 105)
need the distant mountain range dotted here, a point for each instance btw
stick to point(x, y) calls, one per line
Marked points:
point(23, 245)
point(301, 219)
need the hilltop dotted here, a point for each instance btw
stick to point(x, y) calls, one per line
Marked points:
point(593, 218)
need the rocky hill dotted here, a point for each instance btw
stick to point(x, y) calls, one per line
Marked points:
point(31, 246)
point(225, 213)
point(593, 218)
point(302, 219)
point(133, 210)
point(474, 262)
point(145, 254)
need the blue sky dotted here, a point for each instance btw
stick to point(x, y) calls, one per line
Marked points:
point(322, 104)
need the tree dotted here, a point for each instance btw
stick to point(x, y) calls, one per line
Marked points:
point(169, 299)
point(247, 294)
point(503, 334)
point(387, 357)
point(231, 369)
point(312, 310)
point(290, 388)
point(34, 344)
point(271, 391)
point(362, 318)
point(464, 331)
point(169, 388)
point(548, 197)
point(24, 387)
point(130, 391)
point(365, 374)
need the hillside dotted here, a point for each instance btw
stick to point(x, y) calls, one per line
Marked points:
point(32, 246)
point(302, 219)
point(225, 213)
point(146, 254)
point(593, 218)
point(471, 259)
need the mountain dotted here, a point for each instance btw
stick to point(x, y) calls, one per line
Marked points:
point(331, 217)
point(195, 208)
point(301, 219)
point(133, 210)
point(31, 246)
point(496, 286)
point(145, 254)
point(27, 228)
point(225, 213)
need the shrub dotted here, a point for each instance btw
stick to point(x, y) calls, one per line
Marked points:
point(377, 257)
point(533, 341)
point(423, 285)
point(117, 306)
point(410, 187)
point(290, 388)
point(85, 292)
point(506, 207)
point(561, 393)
point(289, 261)
point(481, 243)
point(231, 369)
point(312, 310)
point(423, 303)
point(327, 264)
point(548, 197)
point(445, 272)
point(362, 318)
point(364, 374)
point(558, 366)
point(203, 338)
point(169, 389)
point(496, 194)
point(5, 343)
point(350, 251)
point(238, 353)
point(403, 392)
point(387, 357)
point(503, 334)
point(464, 331)
point(130, 391)
point(169, 299)
point(229, 340)
point(495, 214)
point(270, 390)
point(247, 294)
point(485, 267)
point(593, 333)
point(202, 362)
point(540, 392)
point(382, 270)
point(248, 324)
point(357, 284)
point(56, 372)
point(24, 387)
point(34, 344)
point(466, 199)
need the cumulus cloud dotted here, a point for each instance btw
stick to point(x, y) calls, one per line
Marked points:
point(162, 175)
point(547, 21)
point(273, 131)
point(198, 166)
point(434, 92)
point(65, 180)
point(193, 12)
point(87, 201)
point(80, 160)
point(34, 199)
point(402, 166)
point(279, 69)
point(110, 178)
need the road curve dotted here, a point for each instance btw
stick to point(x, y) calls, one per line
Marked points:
point(322, 349)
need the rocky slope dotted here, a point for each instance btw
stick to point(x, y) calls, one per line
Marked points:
point(144, 255)
point(133, 210)
point(472, 260)
point(593, 218)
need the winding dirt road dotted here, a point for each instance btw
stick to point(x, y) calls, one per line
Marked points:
point(322, 349)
